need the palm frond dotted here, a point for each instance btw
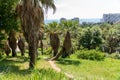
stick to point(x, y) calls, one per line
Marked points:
point(48, 4)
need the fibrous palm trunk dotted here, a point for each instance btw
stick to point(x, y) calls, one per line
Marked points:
point(54, 42)
point(41, 46)
point(21, 46)
point(12, 43)
point(41, 40)
point(7, 49)
point(67, 45)
point(31, 16)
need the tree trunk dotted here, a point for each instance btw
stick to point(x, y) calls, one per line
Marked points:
point(21, 46)
point(67, 45)
point(31, 16)
point(7, 49)
point(41, 38)
point(12, 43)
point(41, 46)
point(14, 53)
point(58, 55)
point(32, 54)
point(54, 42)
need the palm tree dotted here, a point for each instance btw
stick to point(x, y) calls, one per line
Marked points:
point(12, 43)
point(32, 17)
point(7, 48)
point(41, 39)
point(54, 42)
point(21, 45)
point(66, 49)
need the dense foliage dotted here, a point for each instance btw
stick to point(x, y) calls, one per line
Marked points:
point(7, 18)
point(90, 54)
point(7, 15)
point(104, 36)
point(90, 37)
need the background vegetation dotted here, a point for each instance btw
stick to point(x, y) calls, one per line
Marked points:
point(94, 53)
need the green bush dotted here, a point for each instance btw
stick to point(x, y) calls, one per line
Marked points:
point(48, 51)
point(90, 54)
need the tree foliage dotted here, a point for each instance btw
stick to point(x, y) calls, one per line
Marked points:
point(7, 18)
point(90, 38)
point(7, 15)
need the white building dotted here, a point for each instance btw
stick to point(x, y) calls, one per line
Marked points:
point(111, 18)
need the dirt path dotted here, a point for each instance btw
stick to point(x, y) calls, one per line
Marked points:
point(55, 67)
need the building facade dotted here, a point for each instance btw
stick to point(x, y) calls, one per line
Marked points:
point(111, 18)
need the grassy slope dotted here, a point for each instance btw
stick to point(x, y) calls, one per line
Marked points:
point(109, 69)
point(18, 69)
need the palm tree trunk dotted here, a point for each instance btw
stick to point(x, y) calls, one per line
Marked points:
point(21, 46)
point(14, 53)
point(54, 42)
point(41, 46)
point(12, 42)
point(32, 54)
point(67, 45)
point(58, 55)
point(32, 17)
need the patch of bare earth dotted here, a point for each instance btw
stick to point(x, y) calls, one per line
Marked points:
point(56, 68)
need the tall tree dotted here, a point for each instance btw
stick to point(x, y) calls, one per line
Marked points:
point(32, 17)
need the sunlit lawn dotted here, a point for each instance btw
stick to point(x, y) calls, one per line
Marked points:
point(109, 69)
point(18, 69)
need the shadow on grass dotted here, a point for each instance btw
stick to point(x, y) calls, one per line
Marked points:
point(68, 62)
point(12, 65)
point(14, 69)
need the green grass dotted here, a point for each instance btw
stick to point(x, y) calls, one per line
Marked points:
point(17, 68)
point(109, 69)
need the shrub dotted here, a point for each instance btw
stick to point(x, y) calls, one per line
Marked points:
point(48, 51)
point(90, 54)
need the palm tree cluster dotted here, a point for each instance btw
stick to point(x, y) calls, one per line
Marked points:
point(11, 45)
point(104, 36)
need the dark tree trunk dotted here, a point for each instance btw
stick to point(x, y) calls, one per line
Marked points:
point(66, 49)
point(40, 39)
point(12, 42)
point(14, 53)
point(7, 49)
point(67, 45)
point(21, 46)
point(33, 46)
point(41, 46)
point(54, 42)
point(32, 55)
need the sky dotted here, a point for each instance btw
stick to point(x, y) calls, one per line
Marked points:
point(83, 8)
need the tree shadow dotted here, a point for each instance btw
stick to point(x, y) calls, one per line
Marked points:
point(68, 62)
point(9, 65)
point(14, 69)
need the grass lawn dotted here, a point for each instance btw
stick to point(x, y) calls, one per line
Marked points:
point(109, 69)
point(17, 68)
